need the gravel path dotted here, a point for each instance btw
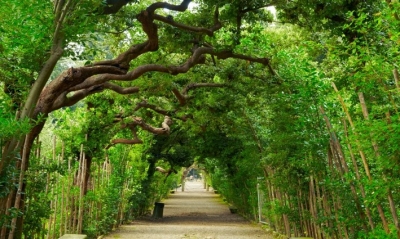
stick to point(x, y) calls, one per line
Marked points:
point(193, 214)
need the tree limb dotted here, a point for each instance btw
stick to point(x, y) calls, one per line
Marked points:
point(180, 8)
point(170, 113)
point(137, 121)
point(93, 78)
point(183, 96)
point(126, 141)
point(145, 104)
point(183, 26)
point(167, 172)
point(119, 89)
point(210, 32)
point(165, 129)
point(63, 100)
point(88, 80)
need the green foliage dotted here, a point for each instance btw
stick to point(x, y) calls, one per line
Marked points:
point(10, 126)
point(25, 40)
point(258, 125)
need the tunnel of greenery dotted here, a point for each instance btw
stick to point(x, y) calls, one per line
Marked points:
point(106, 105)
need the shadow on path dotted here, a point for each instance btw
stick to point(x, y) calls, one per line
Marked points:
point(193, 214)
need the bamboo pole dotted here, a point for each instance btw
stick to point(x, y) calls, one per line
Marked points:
point(300, 211)
point(335, 205)
point(62, 192)
point(55, 189)
point(319, 204)
point(62, 222)
point(77, 200)
point(305, 207)
point(327, 210)
point(376, 150)
point(285, 217)
point(279, 221)
point(366, 167)
point(396, 78)
point(103, 182)
point(50, 221)
point(55, 216)
point(363, 157)
point(74, 208)
point(81, 182)
point(47, 178)
point(68, 205)
point(390, 196)
point(269, 173)
point(344, 169)
point(99, 179)
point(7, 213)
point(313, 211)
point(24, 165)
point(358, 176)
point(393, 210)
point(46, 161)
point(267, 196)
point(54, 147)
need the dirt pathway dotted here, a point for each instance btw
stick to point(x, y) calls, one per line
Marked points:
point(193, 214)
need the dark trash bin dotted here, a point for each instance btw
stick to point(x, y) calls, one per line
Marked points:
point(158, 210)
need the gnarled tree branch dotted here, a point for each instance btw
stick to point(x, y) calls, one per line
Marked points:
point(63, 100)
point(165, 129)
point(210, 32)
point(180, 8)
point(77, 83)
point(119, 89)
point(183, 26)
point(183, 96)
point(139, 122)
point(145, 104)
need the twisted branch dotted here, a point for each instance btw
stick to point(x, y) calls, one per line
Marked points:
point(137, 121)
point(184, 96)
point(210, 32)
